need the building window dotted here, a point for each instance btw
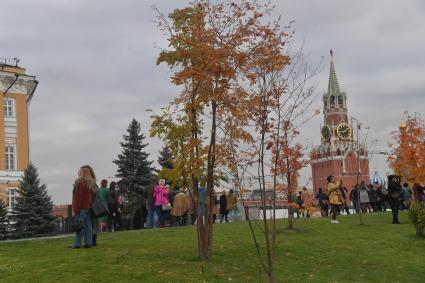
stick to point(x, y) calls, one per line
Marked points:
point(340, 101)
point(10, 152)
point(11, 198)
point(9, 107)
point(332, 101)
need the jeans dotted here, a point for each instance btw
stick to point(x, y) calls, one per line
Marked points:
point(223, 216)
point(234, 214)
point(150, 220)
point(87, 232)
point(161, 215)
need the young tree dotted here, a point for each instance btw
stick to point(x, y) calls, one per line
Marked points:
point(32, 214)
point(280, 101)
point(4, 221)
point(135, 173)
point(214, 47)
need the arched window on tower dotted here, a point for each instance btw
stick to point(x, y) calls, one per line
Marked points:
point(341, 101)
point(338, 152)
point(332, 101)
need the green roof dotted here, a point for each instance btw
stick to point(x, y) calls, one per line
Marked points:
point(333, 85)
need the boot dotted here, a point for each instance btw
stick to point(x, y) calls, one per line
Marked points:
point(94, 240)
point(395, 219)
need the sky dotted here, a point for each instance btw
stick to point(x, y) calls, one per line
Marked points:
point(95, 61)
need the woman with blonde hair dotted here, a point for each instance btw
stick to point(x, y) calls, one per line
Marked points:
point(95, 220)
point(81, 203)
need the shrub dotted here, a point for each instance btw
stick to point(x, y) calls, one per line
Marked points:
point(417, 216)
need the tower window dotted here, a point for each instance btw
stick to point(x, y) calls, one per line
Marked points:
point(340, 101)
point(9, 107)
point(332, 101)
point(10, 154)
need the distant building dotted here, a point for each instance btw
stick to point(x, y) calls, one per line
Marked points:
point(62, 211)
point(339, 154)
point(16, 90)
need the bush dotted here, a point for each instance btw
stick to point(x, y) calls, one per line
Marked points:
point(417, 215)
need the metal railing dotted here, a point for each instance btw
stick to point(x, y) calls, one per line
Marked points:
point(10, 62)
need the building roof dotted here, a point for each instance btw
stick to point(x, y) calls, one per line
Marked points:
point(376, 178)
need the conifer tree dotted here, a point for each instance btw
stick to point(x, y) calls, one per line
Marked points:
point(135, 172)
point(3, 221)
point(32, 214)
point(165, 158)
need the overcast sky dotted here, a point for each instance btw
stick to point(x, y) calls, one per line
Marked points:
point(95, 61)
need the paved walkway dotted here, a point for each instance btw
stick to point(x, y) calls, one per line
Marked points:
point(39, 238)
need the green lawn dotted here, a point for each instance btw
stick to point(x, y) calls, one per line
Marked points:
point(316, 252)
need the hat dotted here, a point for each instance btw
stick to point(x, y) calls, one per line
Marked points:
point(329, 178)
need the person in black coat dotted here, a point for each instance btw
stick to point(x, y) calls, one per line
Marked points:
point(394, 195)
point(354, 197)
point(223, 207)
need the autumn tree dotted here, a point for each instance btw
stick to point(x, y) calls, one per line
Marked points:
point(407, 156)
point(176, 133)
point(213, 49)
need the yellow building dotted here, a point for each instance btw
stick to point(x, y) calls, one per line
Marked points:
point(16, 90)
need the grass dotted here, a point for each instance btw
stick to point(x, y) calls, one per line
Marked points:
point(316, 252)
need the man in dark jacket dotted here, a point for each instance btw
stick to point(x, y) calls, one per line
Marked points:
point(380, 197)
point(373, 198)
point(354, 197)
point(223, 207)
point(344, 205)
point(323, 202)
point(394, 195)
point(114, 216)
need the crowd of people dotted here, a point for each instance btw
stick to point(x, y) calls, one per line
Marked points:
point(162, 207)
point(362, 198)
point(85, 191)
point(167, 207)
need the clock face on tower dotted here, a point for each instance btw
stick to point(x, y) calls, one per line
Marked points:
point(326, 133)
point(343, 131)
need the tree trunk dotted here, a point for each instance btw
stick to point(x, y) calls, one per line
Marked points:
point(205, 221)
point(290, 219)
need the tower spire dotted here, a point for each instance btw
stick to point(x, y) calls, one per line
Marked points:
point(333, 86)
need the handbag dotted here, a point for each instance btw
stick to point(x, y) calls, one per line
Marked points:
point(77, 224)
point(166, 207)
point(99, 208)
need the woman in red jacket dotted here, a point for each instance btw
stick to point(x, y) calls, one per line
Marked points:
point(81, 204)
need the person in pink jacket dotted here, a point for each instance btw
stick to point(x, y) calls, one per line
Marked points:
point(160, 195)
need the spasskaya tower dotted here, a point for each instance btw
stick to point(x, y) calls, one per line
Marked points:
point(338, 154)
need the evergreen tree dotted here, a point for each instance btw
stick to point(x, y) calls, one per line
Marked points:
point(4, 221)
point(135, 173)
point(32, 214)
point(165, 158)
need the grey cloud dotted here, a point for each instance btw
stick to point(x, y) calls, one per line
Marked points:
point(96, 64)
